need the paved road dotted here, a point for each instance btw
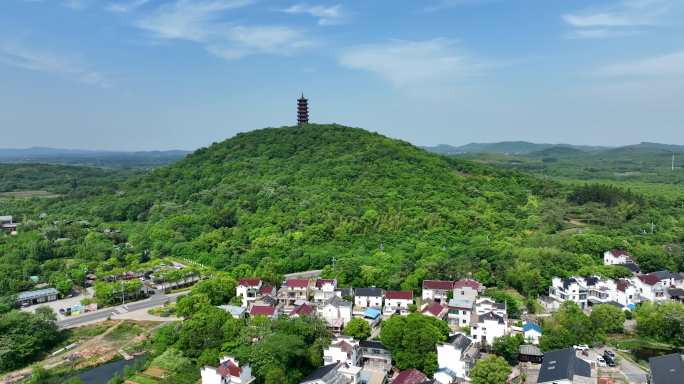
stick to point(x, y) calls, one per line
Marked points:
point(103, 314)
point(632, 372)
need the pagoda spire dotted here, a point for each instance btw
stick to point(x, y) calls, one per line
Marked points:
point(302, 110)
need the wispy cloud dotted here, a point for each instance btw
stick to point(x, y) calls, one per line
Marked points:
point(327, 15)
point(125, 6)
point(21, 56)
point(204, 22)
point(412, 63)
point(444, 4)
point(667, 65)
point(617, 19)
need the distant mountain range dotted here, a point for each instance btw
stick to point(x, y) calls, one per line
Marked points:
point(528, 148)
point(114, 159)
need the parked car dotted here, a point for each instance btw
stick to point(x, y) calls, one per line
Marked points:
point(581, 347)
point(609, 353)
point(600, 361)
point(610, 360)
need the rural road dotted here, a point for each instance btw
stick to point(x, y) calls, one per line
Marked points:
point(103, 314)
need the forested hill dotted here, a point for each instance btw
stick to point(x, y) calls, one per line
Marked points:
point(297, 197)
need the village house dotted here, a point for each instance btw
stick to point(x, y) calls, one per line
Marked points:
point(488, 327)
point(38, 296)
point(323, 290)
point(435, 309)
point(303, 310)
point(467, 289)
point(437, 290)
point(570, 289)
point(336, 312)
point(460, 312)
point(263, 310)
point(368, 297)
point(667, 369)
point(485, 304)
point(345, 293)
point(564, 367)
point(601, 291)
point(397, 302)
point(294, 290)
point(267, 289)
point(229, 371)
point(248, 290)
point(375, 355)
point(8, 225)
point(617, 257)
point(335, 373)
point(343, 349)
point(626, 293)
point(235, 311)
point(651, 287)
point(455, 359)
point(532, 332)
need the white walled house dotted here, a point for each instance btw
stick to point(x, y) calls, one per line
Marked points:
point(437, 290)
point(532, 333)
point(336, 312)
point(229, 371)
point(368, 297)
point(248, 290)
point(570, 289)
point(455, 358)
point(343, 349)
point(460, 312)
point(488, 327)
point(485, 304)
point(467, 289)
point(626, 293)
point(616, 257)
point(294, 290)
point(651, 287)
point(600, 291)
point(324, 289)
point(397, 302)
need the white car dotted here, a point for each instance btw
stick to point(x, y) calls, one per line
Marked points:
point(601, 362)
point(581, 347)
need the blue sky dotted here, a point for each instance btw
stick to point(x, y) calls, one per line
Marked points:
point(162, 74)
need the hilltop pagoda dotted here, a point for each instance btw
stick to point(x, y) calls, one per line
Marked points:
point(302, 110)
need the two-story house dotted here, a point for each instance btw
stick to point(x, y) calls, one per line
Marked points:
point(569, 289)
point(397, 302)
point(294, 290)
point(488, 327)
point(343, 349)
point(460, 311)
point(248, 290)
point(323, 290)
point(368, 298)
point(455, 359)
point(336, 312)
point(467, 289)
point(437, 290)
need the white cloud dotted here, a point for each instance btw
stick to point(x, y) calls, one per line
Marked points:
point(618, 18)
point(20, 56)
point(660, 66)
point(443, 4)
point(327, 15)
point(204, 22)
point(412, 63)
point(125, 6)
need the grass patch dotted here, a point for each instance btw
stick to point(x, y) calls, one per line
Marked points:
point(124, 331)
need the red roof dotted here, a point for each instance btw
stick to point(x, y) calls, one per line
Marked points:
point(228, 369)
point(622, 285)
point(265, 310)
point(437, 284)
point(649, 279)
point(297, 283)
point(303, 310)
point(266, 289)
point(411, 376)
point(474, 284)
point(399, 295)
point(250, 282)
point(321, 282)
point(619, 252)
point(435, 309)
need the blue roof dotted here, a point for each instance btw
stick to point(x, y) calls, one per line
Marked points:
point(371, 313)
point(528, 326)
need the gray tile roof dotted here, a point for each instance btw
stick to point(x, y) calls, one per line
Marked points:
point(668, 369)
point(321, 372)
point(30, 295)
point(460, 341)
point(369, 292)
point(562, 364)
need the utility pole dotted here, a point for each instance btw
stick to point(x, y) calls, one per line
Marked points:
point(123, 295)
point(673, 158)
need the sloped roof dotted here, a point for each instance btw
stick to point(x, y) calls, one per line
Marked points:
point(529, 326)
point(460, 341)
point(668, 369)
point(297, 283)
point(368, 292)
point(399, 295)
point(303, 310)
point(371, 313)
point(474, 284)
point(435, 309)
point(321, 372)
point(266, 289)
point(345, 291)
point(562, 364)
point(337, 301)
point(663, 275)
point(461, 304)
point(490, 316)
point(649, 279)
point(321, 282)
point(437, 284)
point(228, 369)
point(263, 310)
point(372, 344)
point(410, 376)
point(620, 252)
point(28, 295)
point(250, 282)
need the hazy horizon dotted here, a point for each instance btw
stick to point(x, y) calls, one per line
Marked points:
point(133, 75)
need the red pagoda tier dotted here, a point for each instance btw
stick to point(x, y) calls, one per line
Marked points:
point(302, 110)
